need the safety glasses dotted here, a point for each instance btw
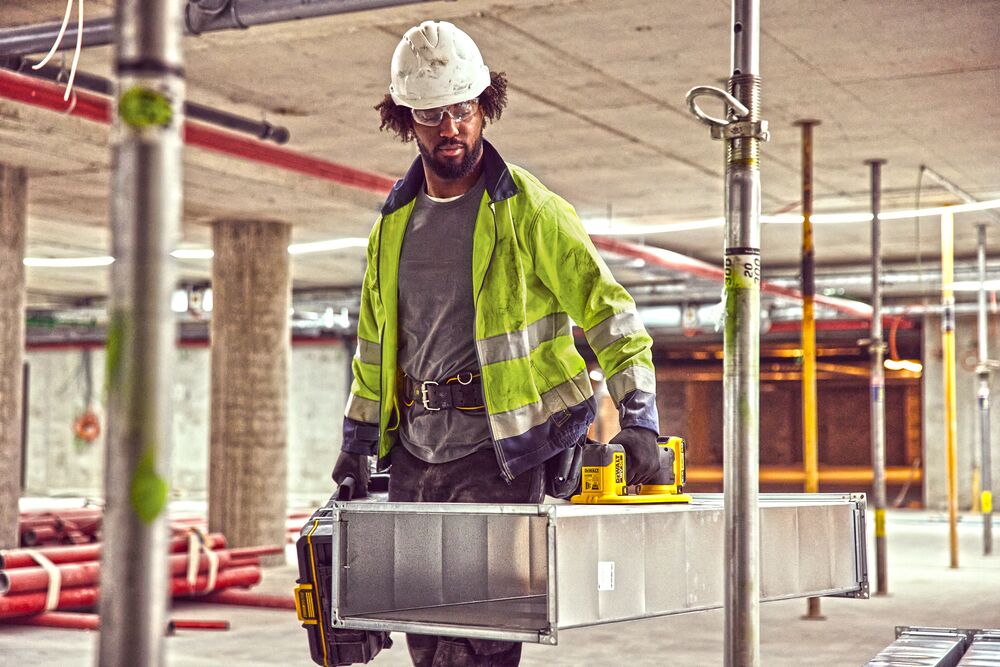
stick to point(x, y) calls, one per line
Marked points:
point(459, 112)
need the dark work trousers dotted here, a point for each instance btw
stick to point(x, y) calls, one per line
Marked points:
point(472, 479)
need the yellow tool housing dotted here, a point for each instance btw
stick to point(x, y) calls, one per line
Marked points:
point(603, 476)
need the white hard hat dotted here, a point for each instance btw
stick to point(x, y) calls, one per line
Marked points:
point(436, 64)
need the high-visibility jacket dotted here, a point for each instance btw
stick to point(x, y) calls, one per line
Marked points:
point(533, 269)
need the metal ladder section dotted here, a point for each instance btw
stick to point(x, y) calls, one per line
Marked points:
point(524, 572)
point(940, 647)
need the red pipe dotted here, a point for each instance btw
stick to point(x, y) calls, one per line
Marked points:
point(65, 513)
point(250, 599)
point(695, 267)
point(830, 325)
point(195, 624)
point(33, 537)
point(85, 621)
point(73, 575)
point(15, 558)
point(47, 95)
point(60, 619)
point(27, 604)
point(250, 552)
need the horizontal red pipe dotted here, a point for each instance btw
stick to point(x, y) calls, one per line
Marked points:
point(48, 95)
point(71, 620)
point(695, 267)
point(14, 558)
point(32, 537)
point(835, 325)
point(67, 514)
point(249, 599)
point(195, 624)
point(27, 604)
point(73, 575)
point(252, 552)
point(187, 344)
point(77, 620)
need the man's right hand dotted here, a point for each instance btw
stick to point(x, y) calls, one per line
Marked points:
point(354, 466)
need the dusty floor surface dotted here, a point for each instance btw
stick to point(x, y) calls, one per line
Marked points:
point(923, 591)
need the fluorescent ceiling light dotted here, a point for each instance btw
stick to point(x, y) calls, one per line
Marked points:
point(179, 301)
point(633, 226)
point(327, 246)
point(193, 253)
point(973, 285)
point(605, 227)
point(67, 262)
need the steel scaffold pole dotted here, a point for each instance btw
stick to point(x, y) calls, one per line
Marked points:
point(810, 434)
point(145, 222)
point(877, 381)
point(983, 397)
point(742, 131)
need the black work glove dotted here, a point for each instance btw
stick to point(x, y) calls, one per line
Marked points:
point(642, 454)
point(352, 467)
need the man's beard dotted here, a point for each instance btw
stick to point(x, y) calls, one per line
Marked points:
point(450, 169)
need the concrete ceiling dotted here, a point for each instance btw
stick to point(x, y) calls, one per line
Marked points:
point(596, 111)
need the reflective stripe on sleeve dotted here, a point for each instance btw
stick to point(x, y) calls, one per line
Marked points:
point(362, 409)
point(628, 380)
point(614, 328)
point(368, 352)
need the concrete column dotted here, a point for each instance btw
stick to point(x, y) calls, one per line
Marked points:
point(13, 216)
point(251, 290)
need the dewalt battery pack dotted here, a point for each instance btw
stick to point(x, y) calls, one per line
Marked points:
point(329, 647)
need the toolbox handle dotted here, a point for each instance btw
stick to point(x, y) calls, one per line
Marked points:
point(345, 491)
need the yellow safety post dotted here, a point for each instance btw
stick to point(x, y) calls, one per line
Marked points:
point(810, 431)
point(948, 350)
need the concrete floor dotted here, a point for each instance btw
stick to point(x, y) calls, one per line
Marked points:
point(924, 591)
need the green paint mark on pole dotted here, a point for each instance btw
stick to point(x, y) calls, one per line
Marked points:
point(148, 491)
point(141, 107)
point(117, 331)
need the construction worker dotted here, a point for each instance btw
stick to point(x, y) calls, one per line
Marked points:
point(467, 383)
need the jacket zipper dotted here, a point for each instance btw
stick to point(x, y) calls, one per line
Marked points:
point(504, 469)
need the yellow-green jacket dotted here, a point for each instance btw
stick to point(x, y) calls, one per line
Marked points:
point(533, 268)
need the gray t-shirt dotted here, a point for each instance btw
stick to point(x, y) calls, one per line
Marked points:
point(437, 338)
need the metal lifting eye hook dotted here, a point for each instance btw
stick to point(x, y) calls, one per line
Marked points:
point(740, 111)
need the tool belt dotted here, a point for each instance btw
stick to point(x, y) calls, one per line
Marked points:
point(462, 392)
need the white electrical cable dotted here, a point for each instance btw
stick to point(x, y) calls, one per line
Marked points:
point(59, 38)
point(76, 55)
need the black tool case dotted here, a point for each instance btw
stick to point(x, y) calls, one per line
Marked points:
point(327, 646)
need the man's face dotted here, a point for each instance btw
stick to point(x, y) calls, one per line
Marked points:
point(451, 149)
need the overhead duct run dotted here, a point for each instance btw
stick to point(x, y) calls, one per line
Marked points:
point(192, 110)
point(200, 16)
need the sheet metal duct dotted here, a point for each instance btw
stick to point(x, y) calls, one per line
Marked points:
point(525, 572)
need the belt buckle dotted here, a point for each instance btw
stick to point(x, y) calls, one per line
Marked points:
point(424, 399)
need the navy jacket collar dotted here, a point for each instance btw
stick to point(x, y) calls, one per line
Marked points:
point(499, 183)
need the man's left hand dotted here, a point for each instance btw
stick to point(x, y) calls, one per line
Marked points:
point(642, 454)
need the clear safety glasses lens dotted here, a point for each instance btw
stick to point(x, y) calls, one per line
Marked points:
point(457, 112)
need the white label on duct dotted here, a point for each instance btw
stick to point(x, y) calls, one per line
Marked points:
point(605, 575)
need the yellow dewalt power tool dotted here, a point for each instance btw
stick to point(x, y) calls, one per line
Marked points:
point(603, 477)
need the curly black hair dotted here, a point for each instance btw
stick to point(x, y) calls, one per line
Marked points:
point(397, 118)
